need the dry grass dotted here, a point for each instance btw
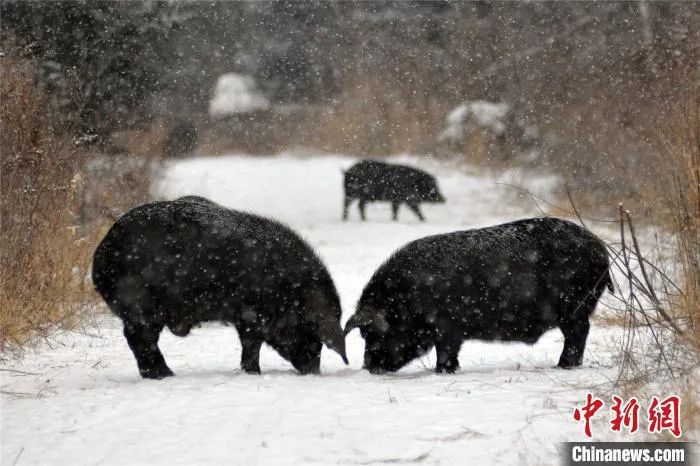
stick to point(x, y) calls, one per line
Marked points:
point(43, 257)
point(368, 117)
point(374, 117)
point(53, 209)
point(661, 300)
point(683, 199)
point(146, 142)
point(677, 191)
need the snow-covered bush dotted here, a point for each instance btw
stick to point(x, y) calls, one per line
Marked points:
point(236, 93)
point(489, 115)
point(492, 128)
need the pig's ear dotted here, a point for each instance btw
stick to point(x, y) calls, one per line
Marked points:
point(332, 336)
point(353, 322)
point(366, 317)
point(359, 319)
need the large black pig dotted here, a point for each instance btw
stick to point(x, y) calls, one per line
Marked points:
point(179, 263)
point(371, 181)
point(510, 282)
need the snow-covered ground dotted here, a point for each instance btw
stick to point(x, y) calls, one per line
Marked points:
point(81, 400)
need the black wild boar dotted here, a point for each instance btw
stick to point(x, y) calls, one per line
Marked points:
point(510, 282)
point(179, 263)
point(371, 181)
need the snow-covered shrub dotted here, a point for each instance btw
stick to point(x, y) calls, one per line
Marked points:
point(489, 115)
point(236, 93)
point(490, 129)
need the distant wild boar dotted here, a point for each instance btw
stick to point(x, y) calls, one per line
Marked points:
point(510, 282)
point(371, 181)
point(178, 263)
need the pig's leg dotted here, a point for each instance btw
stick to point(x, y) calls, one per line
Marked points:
point(346, 206)
point(362, 205)
point(395, 210)
point(143, 341)
point(447, 349)
point(575, 335)
point(250, 357)
point(416, 209)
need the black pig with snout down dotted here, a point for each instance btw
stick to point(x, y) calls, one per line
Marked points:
point(372, 181)
point(510, 282)
point(178, 263)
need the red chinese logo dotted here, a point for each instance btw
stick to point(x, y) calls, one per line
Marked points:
point(625, 416)
point(589, 409)
point(663, 415)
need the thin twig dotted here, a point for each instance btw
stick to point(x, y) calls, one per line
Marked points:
point(21, 450)
point(33, 395)
point(534, 196)
point(19, 372)
point(650, 288)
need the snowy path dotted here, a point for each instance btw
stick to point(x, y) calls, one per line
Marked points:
point(82, 401)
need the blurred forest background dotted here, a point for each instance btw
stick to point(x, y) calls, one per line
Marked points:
point(603, 94)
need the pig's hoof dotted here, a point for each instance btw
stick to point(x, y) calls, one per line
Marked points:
point(446, 370)
point(157, 373)
point(564, 364)
point(251, 370)
point(310, 369)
